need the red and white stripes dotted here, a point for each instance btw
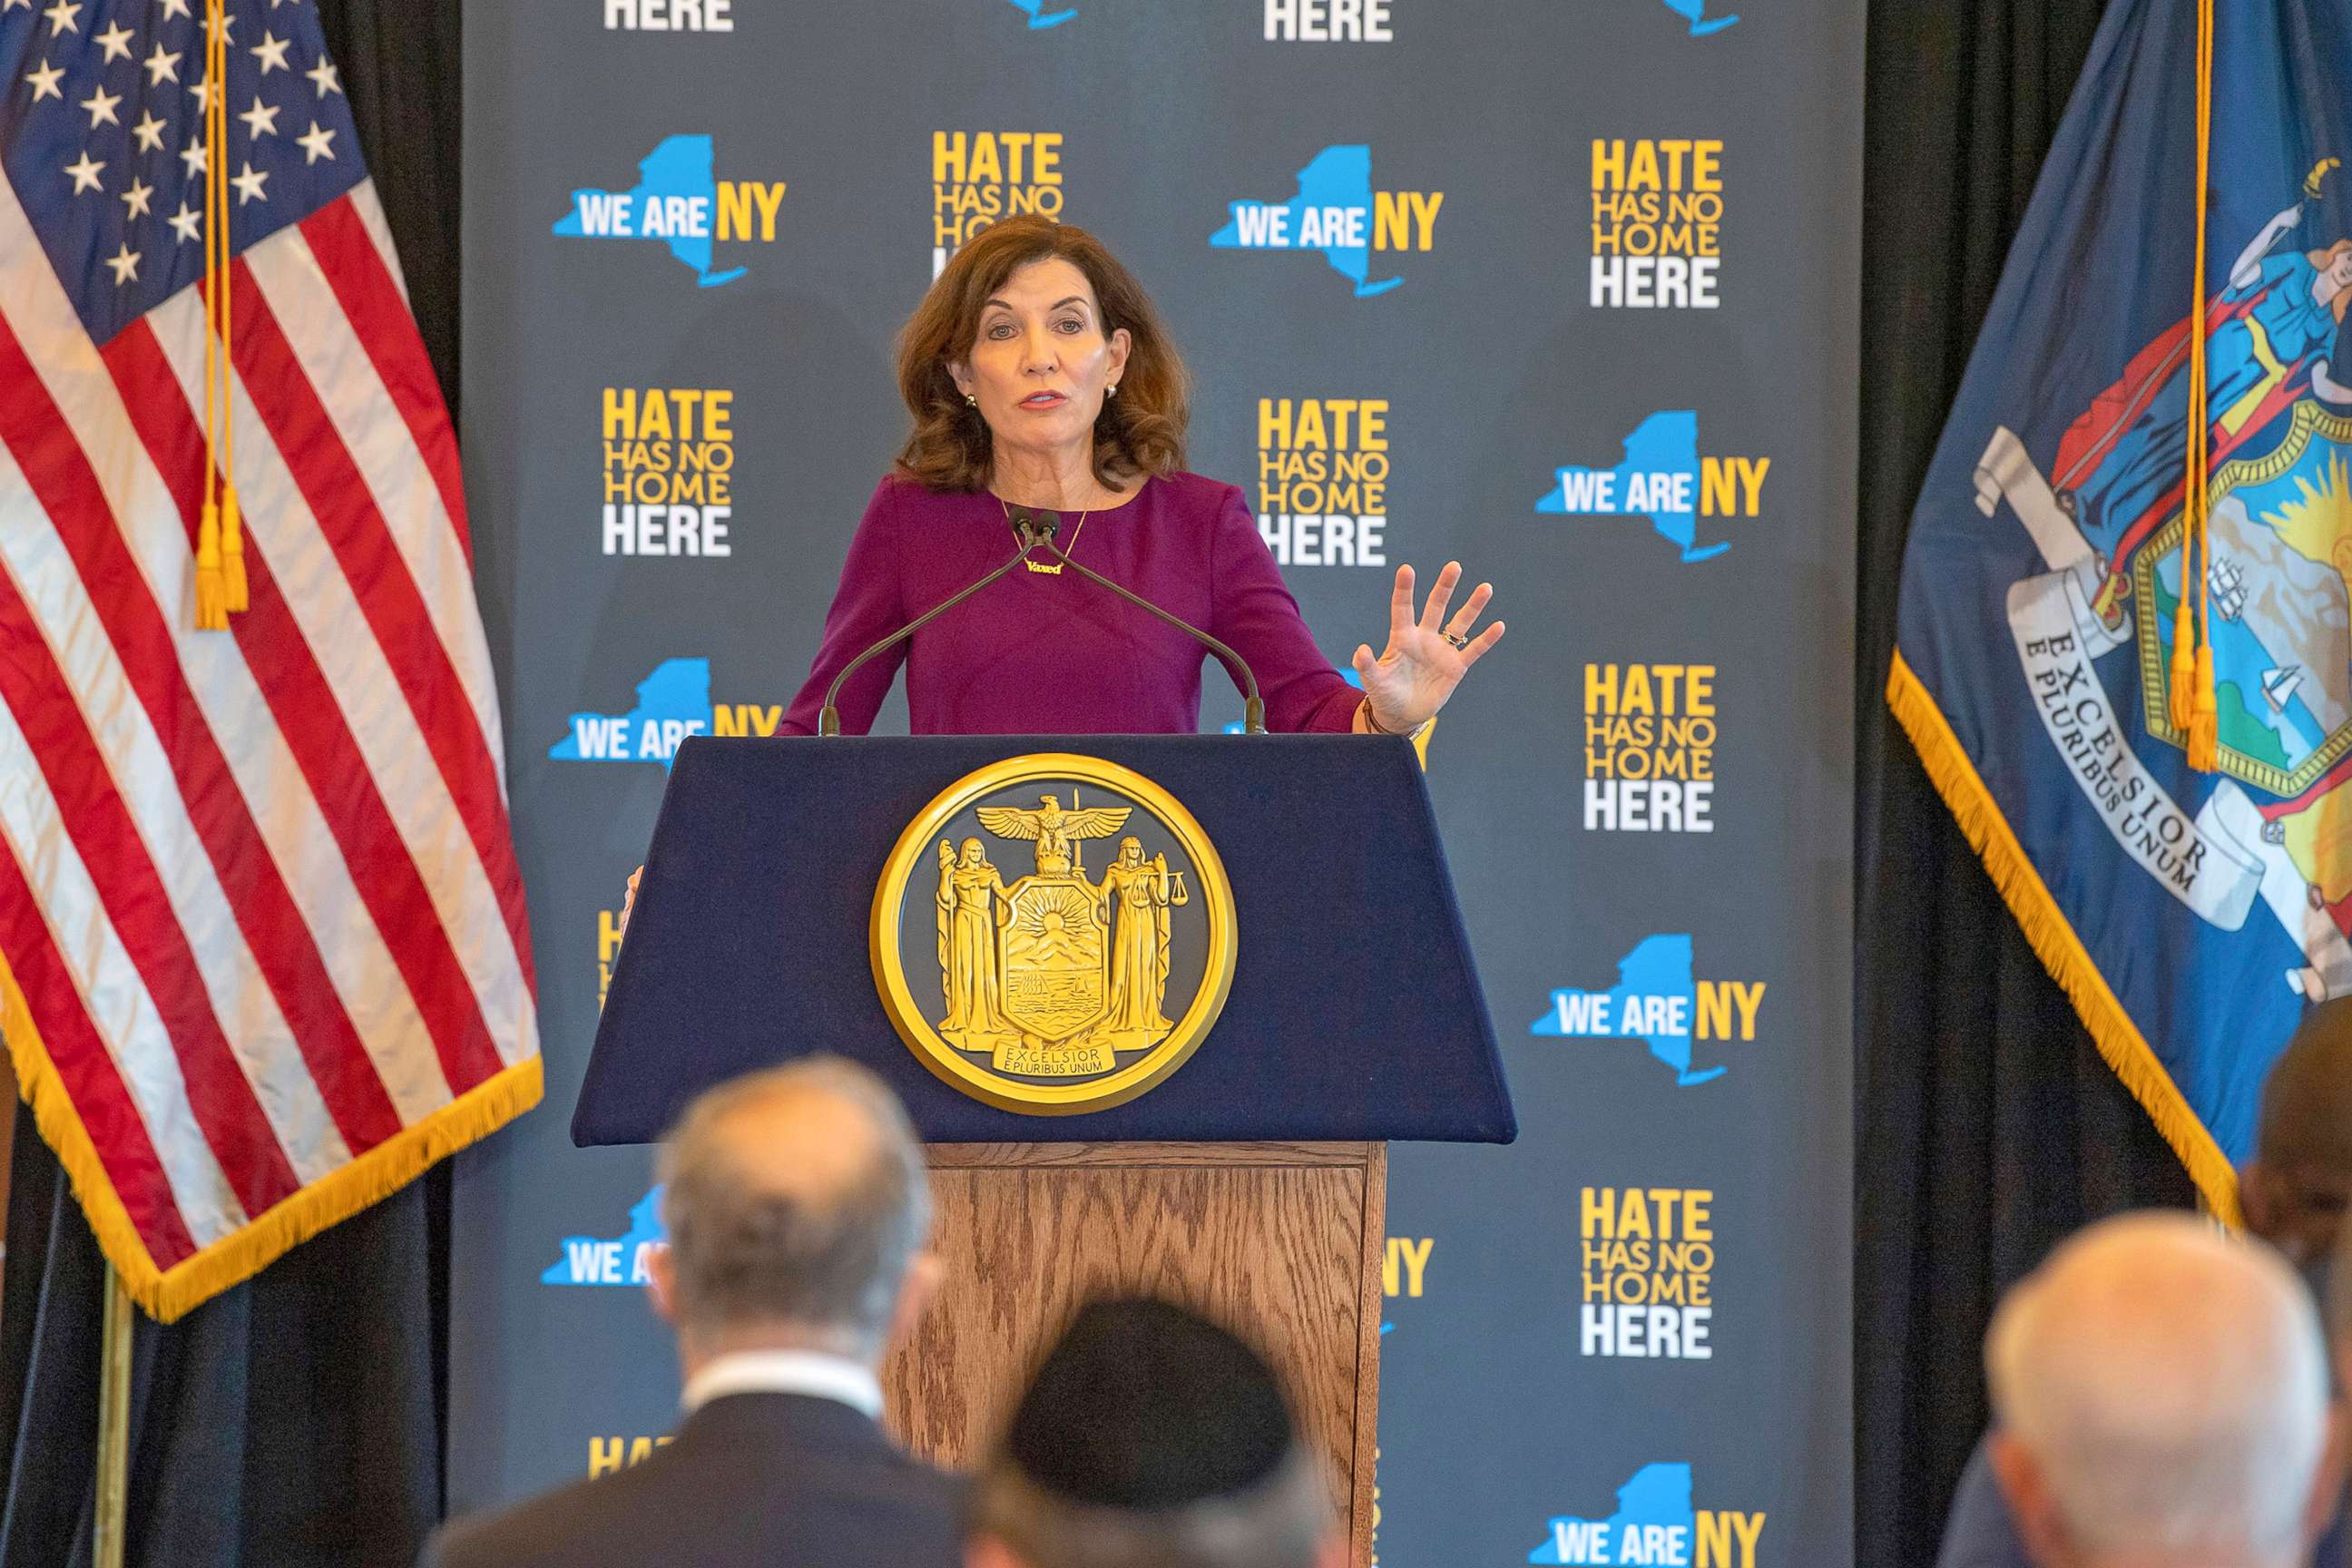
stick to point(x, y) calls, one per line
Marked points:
point(258, 888)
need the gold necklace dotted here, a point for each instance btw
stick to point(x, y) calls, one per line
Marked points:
point(1056, 569)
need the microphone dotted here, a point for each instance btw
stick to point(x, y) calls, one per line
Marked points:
point(1038, 530)
point(829, 717)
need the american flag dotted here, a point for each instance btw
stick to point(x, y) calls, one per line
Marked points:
point(263, 954)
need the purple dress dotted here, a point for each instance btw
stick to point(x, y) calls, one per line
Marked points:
point(1038, 653)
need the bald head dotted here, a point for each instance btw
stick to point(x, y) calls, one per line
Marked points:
point(795, 1200)
point(2162, 1397)
point(2297, 1186)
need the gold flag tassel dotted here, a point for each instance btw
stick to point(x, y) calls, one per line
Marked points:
point(2204, 719)
point(211, 600)
point(220, 542)
point(2183, 672)
point(232, 589)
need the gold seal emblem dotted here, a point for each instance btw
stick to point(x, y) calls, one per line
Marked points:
point(1064, 989)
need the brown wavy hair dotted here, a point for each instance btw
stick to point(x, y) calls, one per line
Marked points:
point(1139, 432)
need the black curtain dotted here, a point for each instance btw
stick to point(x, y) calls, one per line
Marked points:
point(1987, 1126)
point(295, 1421)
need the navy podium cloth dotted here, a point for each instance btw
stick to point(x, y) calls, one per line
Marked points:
point(1355, 1012)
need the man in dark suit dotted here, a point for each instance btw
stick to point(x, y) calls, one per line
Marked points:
point(1152, 1438)
point(797, 1207)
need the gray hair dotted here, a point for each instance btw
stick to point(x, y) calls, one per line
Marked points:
point(2170, 1383)
point(769, 1226)
point(1281, 1522)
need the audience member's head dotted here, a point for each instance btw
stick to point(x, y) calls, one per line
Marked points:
point(2160, 1396)
point(1152, 1438)
point(2296, 1188)
point(797, 1205)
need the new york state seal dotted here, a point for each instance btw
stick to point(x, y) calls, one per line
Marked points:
point(1066, 989)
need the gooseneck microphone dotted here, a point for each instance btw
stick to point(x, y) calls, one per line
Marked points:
point(1038, 527)
point(829, 717)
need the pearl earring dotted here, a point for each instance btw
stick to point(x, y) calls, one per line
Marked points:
point(1111, 391)
point(970, 399)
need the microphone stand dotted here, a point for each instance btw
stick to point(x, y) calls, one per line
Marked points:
point(829, 717)
point(1253, 705)
point(1036, 533)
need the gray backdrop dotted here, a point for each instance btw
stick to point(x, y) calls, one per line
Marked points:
point(1505, 1430)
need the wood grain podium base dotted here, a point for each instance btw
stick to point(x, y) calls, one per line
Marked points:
point(1283, 1241)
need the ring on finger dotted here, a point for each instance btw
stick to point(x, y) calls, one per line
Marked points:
point(1456, 638)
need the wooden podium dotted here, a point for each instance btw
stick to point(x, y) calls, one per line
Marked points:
point(1251, 1182)
point(1283, 1239)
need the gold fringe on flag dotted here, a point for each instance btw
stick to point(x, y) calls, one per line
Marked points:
point(2054, 942)
point(168, 1294)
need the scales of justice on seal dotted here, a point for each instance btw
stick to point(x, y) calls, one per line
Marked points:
point(1156, 1004)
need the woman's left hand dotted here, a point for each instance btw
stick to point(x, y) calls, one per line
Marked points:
point(1425, 658)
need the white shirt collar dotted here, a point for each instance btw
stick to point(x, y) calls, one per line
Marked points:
point(812, 1372)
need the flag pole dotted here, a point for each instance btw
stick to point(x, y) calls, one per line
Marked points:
point(114, 1427)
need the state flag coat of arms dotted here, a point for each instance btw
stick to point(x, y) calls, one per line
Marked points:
point(2125, 642)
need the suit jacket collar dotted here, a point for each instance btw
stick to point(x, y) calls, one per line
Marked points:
point(810, 1373)
point(795, 1421)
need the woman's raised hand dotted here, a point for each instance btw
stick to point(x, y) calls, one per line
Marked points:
point(1426, 657)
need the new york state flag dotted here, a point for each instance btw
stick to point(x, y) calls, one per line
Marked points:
point(2057, 556)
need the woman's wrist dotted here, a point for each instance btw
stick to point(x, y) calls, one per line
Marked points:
point(1373, 726)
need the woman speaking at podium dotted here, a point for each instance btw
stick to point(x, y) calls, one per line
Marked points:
point(1041, 378)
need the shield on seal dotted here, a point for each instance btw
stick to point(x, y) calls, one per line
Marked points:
point(1053, 957)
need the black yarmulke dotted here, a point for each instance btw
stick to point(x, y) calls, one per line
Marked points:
point(1144, 1406)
